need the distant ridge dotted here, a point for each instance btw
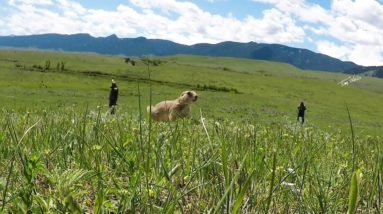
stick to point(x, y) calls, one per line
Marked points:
point(374, 71)
point(301, 58)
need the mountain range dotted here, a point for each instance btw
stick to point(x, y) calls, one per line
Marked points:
point(112, 45)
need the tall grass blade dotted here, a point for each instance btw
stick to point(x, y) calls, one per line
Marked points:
point(224, 162)
point(228, 189)
point(241, 195)
point(353, 139)
point(353, 193)
point(7, 183)
point(205, 129)
point(271, 183)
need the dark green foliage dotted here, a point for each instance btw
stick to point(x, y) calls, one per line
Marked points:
point(129, 61)
point(62, 66)
point(216, 88)
point(152, 62)
point(38, 67)
point(47, 65)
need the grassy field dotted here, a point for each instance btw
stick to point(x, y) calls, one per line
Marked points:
point(242, 151)
point(266, 92)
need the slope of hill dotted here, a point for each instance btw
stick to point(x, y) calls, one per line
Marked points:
point(373, 71)
point(233, 88)
point(300, 58)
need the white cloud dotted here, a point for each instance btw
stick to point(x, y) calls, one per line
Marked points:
point(356, 24)
point(349, 29)
point(331, 49)
point(190, 25)
point(274, 27)
point(311, 13)
point(359, 23)
point(182, 8)
point(367, 54)
point(363, 54)
point(215, 1)
point(30, 2)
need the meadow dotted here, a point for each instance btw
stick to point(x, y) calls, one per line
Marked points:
point(241, 152)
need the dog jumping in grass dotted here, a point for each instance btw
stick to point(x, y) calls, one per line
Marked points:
point(170, 110)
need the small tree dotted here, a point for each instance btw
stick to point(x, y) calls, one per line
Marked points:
point(47, 65)
point(128, 60)
point(62, 66)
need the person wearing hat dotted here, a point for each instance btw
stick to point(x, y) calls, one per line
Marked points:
point(113, 95)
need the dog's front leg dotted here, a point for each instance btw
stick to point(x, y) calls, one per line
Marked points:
point(172, 116)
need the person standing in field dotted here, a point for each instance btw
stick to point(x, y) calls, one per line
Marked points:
point(113, 95)
point(301, 112)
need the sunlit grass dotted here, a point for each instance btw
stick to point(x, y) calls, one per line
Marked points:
point(89, 161)
point(241, 152)
point(229, 88)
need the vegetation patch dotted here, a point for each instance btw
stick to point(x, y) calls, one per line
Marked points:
point(74, 161)
point(241, 152)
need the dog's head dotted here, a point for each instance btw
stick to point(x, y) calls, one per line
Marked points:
point(188, 97)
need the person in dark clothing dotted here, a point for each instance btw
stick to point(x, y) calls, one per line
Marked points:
point(301, 112)
point(113, 97)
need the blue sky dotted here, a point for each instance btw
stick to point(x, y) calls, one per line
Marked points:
point(346, 29)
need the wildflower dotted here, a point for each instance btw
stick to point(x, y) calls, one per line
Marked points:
point(287, 184)
point(161, 136)
point(217, 124)
point(152, 194)
point(97, 147)
point(88, 202)
point(291, 186)
point(135, 130)
point(291, 170)
point(123, 192)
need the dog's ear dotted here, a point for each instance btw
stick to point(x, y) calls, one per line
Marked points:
point(190, 94)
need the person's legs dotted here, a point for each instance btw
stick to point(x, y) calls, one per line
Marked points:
point(112, 109)
point(112, 106)
point(303, 119)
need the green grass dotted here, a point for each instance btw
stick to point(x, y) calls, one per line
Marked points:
point(242, 151)
point(268, 92)
point(68, 161)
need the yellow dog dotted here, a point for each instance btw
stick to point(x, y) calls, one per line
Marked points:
point(170, 110)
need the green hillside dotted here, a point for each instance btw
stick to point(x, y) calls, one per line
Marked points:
point(61, 152)
point(229, 88)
